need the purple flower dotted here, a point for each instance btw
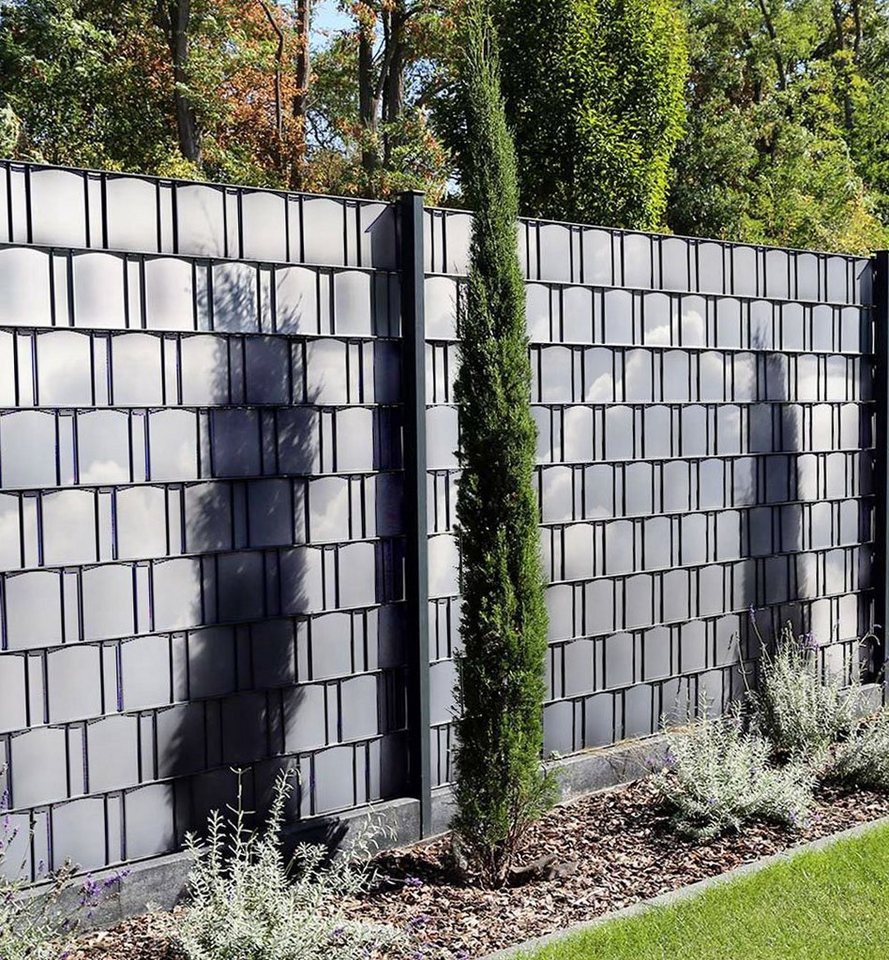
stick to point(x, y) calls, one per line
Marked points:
point(419, 921)
point(809, 643)
point(116, 878)
point(90, 891)
point(413, 882)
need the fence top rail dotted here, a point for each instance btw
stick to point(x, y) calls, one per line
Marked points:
point(665, 235)
point(181, 181)
point(278, 191)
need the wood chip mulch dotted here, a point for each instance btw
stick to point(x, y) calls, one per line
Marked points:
point(611, 849)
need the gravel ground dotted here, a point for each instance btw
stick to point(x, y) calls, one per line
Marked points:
point(611, 849)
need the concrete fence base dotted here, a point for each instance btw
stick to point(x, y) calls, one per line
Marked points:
point(161, 881)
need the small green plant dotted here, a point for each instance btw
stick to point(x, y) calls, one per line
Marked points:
point(716, 777)
point(863, 759)
point(800, 711)
point(28, 929)
point(248, 902)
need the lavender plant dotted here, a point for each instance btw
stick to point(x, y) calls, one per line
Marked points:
point(27, 931)
point(249, 903)
point(717, 777)
point(34, 927)
point(863, 759)
point(799, 710)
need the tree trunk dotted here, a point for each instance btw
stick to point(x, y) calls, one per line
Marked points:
point(368, 101)
point(303, 74)
point(279, 113)
point(174, 19)
point(848, 115)
point(837, 12)
point(393, 82)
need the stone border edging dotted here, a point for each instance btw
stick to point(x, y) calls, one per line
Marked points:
point(689, 892)
point(160, 881)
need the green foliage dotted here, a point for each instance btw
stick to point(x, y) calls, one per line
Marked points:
point(501, 787)
point(79, 97)
point(787, 124)
point(10, 132)
point(718, 778)
point(801, 712)
point(93, 83)
point(785, 108)
point(594, 93)
point(862, 761)
point(764, 764)
point(248, 903)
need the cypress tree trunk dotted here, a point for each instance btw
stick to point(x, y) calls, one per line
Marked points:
point(500, 786)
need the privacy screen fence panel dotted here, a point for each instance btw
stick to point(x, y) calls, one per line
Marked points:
point(201, 507)
point(706, 457)
point(215, 481)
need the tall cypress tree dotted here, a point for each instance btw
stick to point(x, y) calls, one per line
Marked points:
point(500, 786)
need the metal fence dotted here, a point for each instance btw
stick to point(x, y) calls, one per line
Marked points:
point(221, 462)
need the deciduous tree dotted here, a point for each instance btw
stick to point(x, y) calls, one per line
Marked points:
point(374, 84)
point(788, 124)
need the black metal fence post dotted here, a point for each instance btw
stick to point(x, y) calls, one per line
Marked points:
point(413, 327)
point(881, 484)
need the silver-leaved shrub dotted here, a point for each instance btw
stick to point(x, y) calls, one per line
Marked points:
point(862, 761)
point(39, 927)
point(799, 710)
point(717, 778)
point(249, 902)
point(28, 929)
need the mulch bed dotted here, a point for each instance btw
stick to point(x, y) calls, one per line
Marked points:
point(611, 849)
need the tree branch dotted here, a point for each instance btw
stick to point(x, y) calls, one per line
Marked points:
point(776, 50)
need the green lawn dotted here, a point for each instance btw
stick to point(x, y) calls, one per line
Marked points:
point(824, 905)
